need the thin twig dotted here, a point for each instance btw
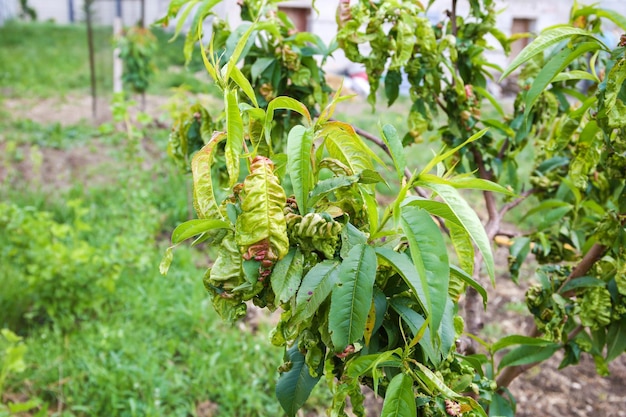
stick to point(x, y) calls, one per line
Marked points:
point(509, 206)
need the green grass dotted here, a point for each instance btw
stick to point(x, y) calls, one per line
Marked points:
point(154, 345)
point(47, 60)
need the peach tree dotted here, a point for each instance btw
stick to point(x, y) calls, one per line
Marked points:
point(286, 199)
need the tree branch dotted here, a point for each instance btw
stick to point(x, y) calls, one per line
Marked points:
point(591, 257)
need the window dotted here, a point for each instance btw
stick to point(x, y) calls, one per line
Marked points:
point(521, 26)
point(299, 16)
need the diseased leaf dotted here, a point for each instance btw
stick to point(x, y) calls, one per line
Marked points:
point(234, 140)
point(429, 254)
point(400, 399)
point(344, 144)
point(294, 386)
point(299, 163)
point(352, 297)
point(262, 217)
point(287, 274)
point(437, 384)
point(203, 197)
point(166, 261)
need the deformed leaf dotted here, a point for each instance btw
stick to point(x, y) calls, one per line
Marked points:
point(262, 216)
point(203, 197)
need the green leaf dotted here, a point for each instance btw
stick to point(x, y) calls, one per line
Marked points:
point(371, 207)
point(294, 386)
point(361, 365)
point(518, 340)
point(613, 16)
point(315, 288)
point(501, 407)
point(182, 18)
point(286, 103)
point(526, 354)
point(616, 339)
point(195, 30)
point(327, 186)
point(429, 255)
point(400, 399)
point(550, 70)
point(463, 247)
point(418, 325)
point(234, 140)
point(574, 75)
point(194, 227)
point(352, 297)
point(299, 164)
point(237, 76)
point(394, 144)
point(467, 183)
point(287, 275)
point(497, 124)
point(582, 282)
point(350, 237)
point(203, 197)
point(260, 65)
point(442, 157)
point(461, 274)
point(236, 55)
point(393, 79)
point(470, 221)
point(402, 264)
point(483, 92)
point(262, 218)
point(548, 38)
